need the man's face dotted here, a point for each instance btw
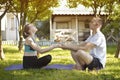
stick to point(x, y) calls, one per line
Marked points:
point(93, 24)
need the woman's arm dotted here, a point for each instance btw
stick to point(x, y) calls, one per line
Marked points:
point(38, 49)
point(47, 49)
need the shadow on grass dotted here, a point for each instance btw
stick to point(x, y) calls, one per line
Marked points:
point(7, 75)
point(107, 77)
point(53, 74)
point(10, 49)
point(42, 74)
point(111, 49)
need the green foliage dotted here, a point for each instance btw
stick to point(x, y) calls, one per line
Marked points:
point(111, 72)
point(3, 1)
point(114, 25)
point(96, 5)
point(113, 21)
point(72, 3)
point(116, 13)
point(43, 29)
point(41, 9)
point(33, 9)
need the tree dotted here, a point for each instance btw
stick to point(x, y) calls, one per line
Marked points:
point(4, 7)
point(115, 17)
point(96, 5)
point(31, 10)
point(113, 8)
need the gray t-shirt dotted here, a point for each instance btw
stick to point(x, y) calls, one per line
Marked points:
point(100, 50)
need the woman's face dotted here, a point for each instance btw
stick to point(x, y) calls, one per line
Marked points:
point(33, 29)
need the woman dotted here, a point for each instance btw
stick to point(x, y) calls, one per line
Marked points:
point(30, 59)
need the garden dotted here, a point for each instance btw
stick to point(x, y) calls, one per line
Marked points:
point(111, 72)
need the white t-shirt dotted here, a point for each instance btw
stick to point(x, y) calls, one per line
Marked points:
point(100, 50)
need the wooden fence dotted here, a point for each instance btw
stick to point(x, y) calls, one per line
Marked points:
point(43, 43)
point(10, 42)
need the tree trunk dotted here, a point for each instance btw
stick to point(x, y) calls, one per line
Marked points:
point(1, 49)
point(117, 55)
point(20, 46)
point(22, 23)
point(23, 15)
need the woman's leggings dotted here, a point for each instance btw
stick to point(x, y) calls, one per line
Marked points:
point(34, 62)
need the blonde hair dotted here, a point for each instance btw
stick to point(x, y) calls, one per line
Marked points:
point(98, 20)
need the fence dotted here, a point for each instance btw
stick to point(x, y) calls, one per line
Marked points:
point(43, 43)
point(10, 42)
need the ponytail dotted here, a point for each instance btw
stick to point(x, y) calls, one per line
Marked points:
point(25, 31)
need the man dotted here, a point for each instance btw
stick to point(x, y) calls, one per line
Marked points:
point(95, 45)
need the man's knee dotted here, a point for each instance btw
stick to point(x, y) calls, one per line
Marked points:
point(80, 52)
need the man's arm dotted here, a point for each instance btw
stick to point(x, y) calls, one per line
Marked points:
point(88, 46)
point(84, 46)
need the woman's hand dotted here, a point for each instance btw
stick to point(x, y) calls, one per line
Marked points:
point(63, 46)
point(56, 45)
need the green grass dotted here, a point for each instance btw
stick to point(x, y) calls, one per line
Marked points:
point(111, 72)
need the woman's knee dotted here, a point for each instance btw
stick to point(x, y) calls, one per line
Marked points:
point(43, 61)
point(49, 57)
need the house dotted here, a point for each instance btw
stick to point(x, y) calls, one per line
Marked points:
point(9, 27)
point(71, 24)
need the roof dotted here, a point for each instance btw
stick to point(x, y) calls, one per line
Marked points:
point(81, 10)
point(71, 12)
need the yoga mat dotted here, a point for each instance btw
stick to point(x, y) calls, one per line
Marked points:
point(59, 66)
point(52, 66)
point(14, 67)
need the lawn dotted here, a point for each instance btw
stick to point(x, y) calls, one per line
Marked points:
point(111, 72)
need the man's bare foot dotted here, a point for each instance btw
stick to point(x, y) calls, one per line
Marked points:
point(77, 67)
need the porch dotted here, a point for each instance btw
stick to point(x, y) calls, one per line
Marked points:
point(69, 27)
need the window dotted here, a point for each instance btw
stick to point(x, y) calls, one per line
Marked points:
point(87, 23)
point(81, 27)
point(62, 25)
point(12, 27)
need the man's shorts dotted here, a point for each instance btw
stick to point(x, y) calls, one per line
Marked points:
point(95, 64)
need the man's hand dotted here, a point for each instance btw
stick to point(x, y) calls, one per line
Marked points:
point(63, 46)
point(56, 45)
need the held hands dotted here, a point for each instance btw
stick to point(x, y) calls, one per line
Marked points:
point(56, 45)
point(63, 46)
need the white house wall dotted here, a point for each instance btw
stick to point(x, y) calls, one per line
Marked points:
point(10, 32)
point(10, 29)
point(81, 29)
